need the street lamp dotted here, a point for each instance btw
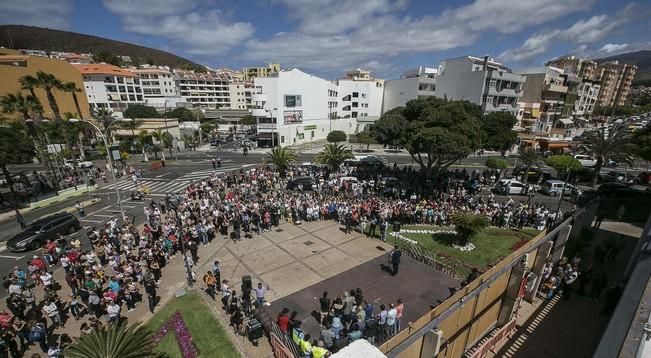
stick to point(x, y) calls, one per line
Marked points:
point(108, 154)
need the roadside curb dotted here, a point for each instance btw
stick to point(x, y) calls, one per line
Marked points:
point(12, 214)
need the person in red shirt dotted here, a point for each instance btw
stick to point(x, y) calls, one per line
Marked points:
point(39, 262)
point(283, 320)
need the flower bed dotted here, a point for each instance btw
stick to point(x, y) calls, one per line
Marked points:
point(183, 336)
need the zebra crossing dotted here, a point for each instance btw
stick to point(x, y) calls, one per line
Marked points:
point(199, 175)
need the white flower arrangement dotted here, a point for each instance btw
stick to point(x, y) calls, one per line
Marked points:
point(465, 248)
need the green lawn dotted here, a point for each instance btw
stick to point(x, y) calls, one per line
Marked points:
point(207, 333)
point(492, 244)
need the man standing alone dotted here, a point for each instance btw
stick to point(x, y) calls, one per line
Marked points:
point(394, 257)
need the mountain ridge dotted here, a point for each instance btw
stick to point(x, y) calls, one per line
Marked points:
point(642, 59)
point(39, 38)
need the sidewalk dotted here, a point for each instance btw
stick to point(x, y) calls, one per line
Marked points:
point(63, 195)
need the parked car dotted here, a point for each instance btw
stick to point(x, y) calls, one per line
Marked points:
point(511, 186)
point(585, 160)
point(38, 232)
point(248, 143)
point(554, 188)
point(81, 164)
point(536, 175)
point(307, 183)
point(619, 177)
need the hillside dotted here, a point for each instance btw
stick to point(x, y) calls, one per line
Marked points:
point(38, 38)
point(642, 59)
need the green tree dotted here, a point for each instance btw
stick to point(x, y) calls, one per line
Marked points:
point(113, 341)
point(336, 137)
point(141, 111)
point(164, 138)
point(28, 83)
point(529, 158)
point(642, 141)
point(334, 155)
point(182, 114)
point(16, 147)
point(602, 146)
point(282, 158)
point(71, 87)
point(107, 57)
point(50, 83)
point(498, 164)
point(467, 224)
point(436, 132)
point(367, 138)
point(498, 131)
point(562, 163)
point(248, 120)
point(17, 103)
point(104, 119)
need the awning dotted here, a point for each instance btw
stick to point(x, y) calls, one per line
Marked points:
point(561, 145)
point(566, 121)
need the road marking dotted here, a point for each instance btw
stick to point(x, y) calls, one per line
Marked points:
point(162, 175)
point(104, 215)
point(92, 221)
point(129, 206)
point(11, 257)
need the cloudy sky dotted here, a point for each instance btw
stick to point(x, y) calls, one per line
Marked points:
point(327, 37)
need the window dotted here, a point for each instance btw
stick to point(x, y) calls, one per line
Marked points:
point(354, 115)
point(293, 101)
point(355, 104)
point(355, 94)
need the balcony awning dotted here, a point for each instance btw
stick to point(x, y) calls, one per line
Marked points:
point(566, 121)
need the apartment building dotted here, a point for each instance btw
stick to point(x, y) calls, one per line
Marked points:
point(110, 87)
point(485, 82)
point(209, 89)
point(583, 68)
point(412, 84)
point(587, 97)
point(359, 95)
point(615, 79)
point(546, 86)
point(249, 73)
point(156, 82)
point(294, 107)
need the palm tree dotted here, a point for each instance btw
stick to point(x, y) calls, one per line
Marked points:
point(529, 158)
point(334, 155)
point(141, 139)
point(602, 146)
point(467, 224)
point(17, 103)
point(49, 83)
point(115, 341)
point(71, 87)
point(164, 139)
point(103, 118)
point(282, 158)
point(28, 83)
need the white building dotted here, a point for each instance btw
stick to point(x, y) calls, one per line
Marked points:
point(485, 82)
point(360, 99)
point(412, 84)
point(214, 89)
point(110, 87)
point(294, 107)
point(587, 94)
point(156, 82)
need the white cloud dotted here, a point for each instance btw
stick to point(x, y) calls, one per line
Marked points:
point(54, 14)
point(336, 34)
point(610, 48)
point(197, 31)
point(582, 33)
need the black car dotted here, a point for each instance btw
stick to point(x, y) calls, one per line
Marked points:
point(38, 232)
point(307, 183)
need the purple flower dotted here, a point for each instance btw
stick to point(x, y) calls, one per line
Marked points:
point(183, 337)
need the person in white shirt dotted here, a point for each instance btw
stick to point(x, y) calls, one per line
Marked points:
point(47, 280)
point(391, 320)
point(51, 310)
point(113, 310)
point(65, 262)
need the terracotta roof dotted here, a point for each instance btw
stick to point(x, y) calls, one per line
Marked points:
point(103, 69)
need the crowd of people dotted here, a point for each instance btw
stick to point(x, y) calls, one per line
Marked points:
point(344, 319)
point(123, 265)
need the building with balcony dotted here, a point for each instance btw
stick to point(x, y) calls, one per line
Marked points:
point(587, 96)
point(548, 87)
point(14, 65)
point(294, 107)
point(583, 68)
point(412, 84)
point(110, 87)
point(485, 82)
point(249, 73)
point(156, 82)
point(209, 90)
point(615, 79)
